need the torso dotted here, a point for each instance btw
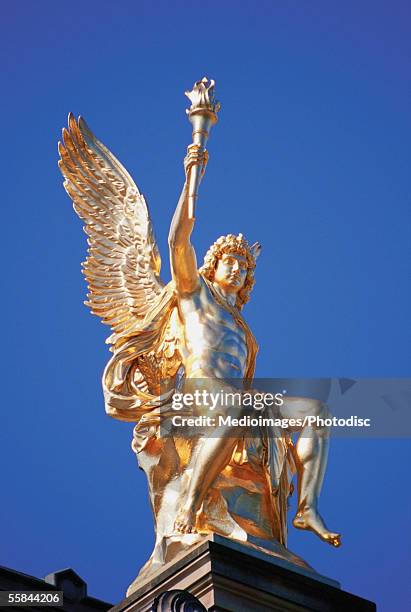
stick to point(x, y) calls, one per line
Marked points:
point(215, 344)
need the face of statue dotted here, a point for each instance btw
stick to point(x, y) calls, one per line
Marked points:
point(231, 272)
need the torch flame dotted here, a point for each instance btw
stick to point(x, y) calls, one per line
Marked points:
point(202, 96)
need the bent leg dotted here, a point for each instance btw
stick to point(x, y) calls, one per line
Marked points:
point(311, 454)
point(210, 456)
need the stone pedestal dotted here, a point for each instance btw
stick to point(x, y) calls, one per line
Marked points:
point(228, 576)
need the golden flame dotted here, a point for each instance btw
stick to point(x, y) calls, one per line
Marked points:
point(202, 96)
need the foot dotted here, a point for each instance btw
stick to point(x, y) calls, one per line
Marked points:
point(310, 519)
point(185, 521)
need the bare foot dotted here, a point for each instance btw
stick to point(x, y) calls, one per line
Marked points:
point(311, 520)
point(185, 521)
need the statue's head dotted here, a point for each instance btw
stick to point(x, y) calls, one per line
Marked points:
point(230, 262)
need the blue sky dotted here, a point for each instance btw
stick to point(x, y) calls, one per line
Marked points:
point(310, 157)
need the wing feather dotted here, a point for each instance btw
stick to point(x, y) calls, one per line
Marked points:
point(123, 264)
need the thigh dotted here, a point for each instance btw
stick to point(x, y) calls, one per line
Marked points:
point(299, 407)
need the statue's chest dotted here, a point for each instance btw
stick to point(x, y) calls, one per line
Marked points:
point(209, 322)
point(203, 309)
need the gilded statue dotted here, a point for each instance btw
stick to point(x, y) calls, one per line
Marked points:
point(167, 337)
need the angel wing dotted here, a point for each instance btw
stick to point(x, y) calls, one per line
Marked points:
point(123, 264)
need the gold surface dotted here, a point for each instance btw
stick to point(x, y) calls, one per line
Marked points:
point(202, 115)
point(168, 336)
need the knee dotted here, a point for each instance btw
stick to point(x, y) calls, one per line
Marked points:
point(320, 409)
point(320, 417)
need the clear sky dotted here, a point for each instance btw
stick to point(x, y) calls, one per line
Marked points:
point(310, 157)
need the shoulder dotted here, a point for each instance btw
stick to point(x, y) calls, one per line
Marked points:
point(200, 299)
point(206, 289)
point(204, 283)
point(203, 287)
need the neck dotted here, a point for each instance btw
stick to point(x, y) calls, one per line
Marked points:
point(228, 296)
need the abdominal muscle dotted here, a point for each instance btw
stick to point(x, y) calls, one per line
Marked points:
point(214, 344)
point(212, 363)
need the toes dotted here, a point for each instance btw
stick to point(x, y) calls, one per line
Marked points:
point(334, 539)
point(182, 527)
point(337, 541)
point(185, 524)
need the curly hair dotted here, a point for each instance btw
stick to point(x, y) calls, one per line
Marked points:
point(231, 244)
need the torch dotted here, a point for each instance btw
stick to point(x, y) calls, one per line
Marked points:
point(202, 115)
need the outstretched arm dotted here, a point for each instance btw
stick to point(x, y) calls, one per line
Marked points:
point(182, 255)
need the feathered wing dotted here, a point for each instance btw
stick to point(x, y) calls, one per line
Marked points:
point(123, 264)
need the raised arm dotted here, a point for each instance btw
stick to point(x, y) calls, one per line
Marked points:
point(183, 259)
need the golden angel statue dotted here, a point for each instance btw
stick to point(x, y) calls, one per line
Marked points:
point(165, 336)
